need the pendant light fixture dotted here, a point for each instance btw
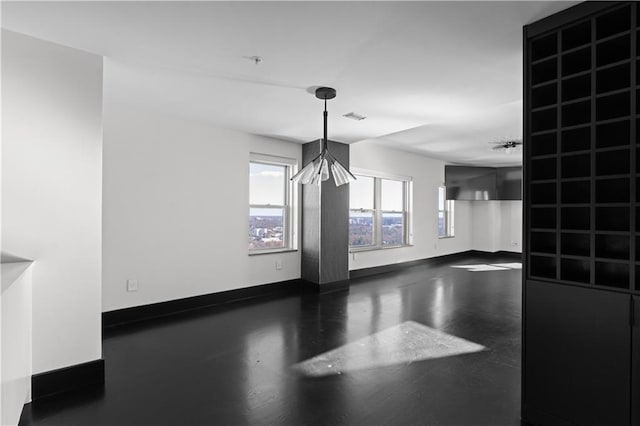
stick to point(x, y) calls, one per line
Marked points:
point(318, 169)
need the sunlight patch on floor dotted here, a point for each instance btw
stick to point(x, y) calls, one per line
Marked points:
point(404, 343)
point(490, 267)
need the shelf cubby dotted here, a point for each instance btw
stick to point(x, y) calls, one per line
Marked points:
point(575, 244)
point(543, 193)
point(612, 274)
point(544, 120)
point(576, 87)
point(576, 61)
point(542, 266)
point(544, 47)
point(612, 51)
point(544, 71)
point(575, 218)
point(612, 219)
point(576, 192)
point(575, 166)
point(614, 162)
point(613, 106)
point(576, 113)
point(543, 218)
point(613, 78)
point(613, 22)
point(544, 169)
point(576, 139)
point(612, 190)
point(578, 270)
point(576, 36)
point(544, 144)
point(612, 246)
point(544, 95)
point(613, 134)
point(543, 242)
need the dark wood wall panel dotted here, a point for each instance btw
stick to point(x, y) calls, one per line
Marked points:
point(334, 223)
point(577, 355)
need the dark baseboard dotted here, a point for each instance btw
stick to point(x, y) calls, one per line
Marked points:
point(367, 272)
point(511, 254)
point(315, 288)
point(161, 309)
point(292, 287)
point(67, 379)
point(493, 254)
point(375, 270)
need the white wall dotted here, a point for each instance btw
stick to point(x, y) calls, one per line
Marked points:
point(427, 175)
point(176, 196)
point(15, 357)
point(497, 225)
point(51, 191)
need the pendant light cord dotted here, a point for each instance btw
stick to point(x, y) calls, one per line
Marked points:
point(326, 115)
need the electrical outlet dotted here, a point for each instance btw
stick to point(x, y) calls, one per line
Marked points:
point(278, 264)
point(132, 285)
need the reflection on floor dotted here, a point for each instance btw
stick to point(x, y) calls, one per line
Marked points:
point(404, 343)
point(490, 267)
point(233, 364)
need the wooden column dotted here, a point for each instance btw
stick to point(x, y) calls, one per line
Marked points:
point(325, 226)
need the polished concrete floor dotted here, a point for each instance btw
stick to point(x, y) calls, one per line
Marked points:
point(429, 345)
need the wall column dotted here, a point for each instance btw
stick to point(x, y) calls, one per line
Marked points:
point(325, 226)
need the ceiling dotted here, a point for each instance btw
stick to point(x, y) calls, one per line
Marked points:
point(438, 78)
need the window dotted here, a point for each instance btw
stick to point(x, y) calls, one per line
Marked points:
point(379, 212)
point(445, 214)
point(272, 216)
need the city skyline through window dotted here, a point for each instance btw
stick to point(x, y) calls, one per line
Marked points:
point(378, 212)
point(269, 206)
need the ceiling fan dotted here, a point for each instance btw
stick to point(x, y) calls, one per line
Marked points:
point(506, 145)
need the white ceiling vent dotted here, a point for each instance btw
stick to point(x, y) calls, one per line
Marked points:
point(354, 116)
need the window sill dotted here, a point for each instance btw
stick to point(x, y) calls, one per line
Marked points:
point(274, 251)
point(446, 237)
point(361, 249)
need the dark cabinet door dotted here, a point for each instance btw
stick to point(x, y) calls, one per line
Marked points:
point(577, 366)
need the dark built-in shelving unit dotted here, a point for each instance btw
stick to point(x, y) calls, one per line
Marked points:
point(583, 152)
point(582, 216)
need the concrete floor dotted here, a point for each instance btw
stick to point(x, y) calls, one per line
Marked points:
point(391, 346)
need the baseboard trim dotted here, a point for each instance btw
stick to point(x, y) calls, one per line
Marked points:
point(499, 253)
point(375, 270)
point(135, 314)
point(311, 287)
point(383, 269)
point(156, 310)
point(67, 379)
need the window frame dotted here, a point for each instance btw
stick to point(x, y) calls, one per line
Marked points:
point(378, 213)
point(290, 207)
point(448, 214)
